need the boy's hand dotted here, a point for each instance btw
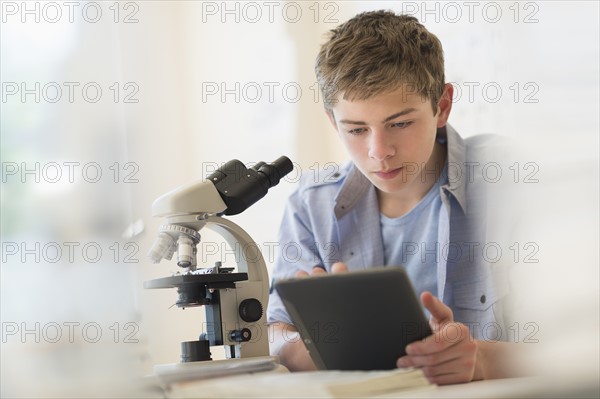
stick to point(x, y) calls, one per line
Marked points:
point(448, 356)
point(318, 269)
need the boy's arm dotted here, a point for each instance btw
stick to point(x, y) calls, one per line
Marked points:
point(494, 358)
point(287, 344)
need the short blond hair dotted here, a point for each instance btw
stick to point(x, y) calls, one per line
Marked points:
point(375, 53)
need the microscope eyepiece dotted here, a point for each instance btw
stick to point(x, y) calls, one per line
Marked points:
point(276, 170)
point(240, 187)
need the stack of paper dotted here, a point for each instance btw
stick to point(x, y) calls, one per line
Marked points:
point(361, 384)
point(168, 374)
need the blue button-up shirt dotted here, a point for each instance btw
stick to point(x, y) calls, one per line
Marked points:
point(337, 219)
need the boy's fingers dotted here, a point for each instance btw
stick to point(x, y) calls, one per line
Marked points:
point(319, 269)
point(440, 313)
point(450, 335)
point(339, 267)
point(316, 269)
point(301, 273)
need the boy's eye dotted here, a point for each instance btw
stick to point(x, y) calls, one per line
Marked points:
point(402, 125)
point(356, 131)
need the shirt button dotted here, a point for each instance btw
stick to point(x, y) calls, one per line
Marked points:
point(482, 299)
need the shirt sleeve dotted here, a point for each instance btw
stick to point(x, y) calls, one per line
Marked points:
point(297, 251)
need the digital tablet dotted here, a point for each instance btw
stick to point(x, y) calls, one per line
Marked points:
point(356, 320)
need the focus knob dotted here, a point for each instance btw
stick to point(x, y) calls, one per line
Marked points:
point(250, 310)
point(243, 335)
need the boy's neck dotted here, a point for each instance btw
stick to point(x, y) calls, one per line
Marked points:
point(400, 203)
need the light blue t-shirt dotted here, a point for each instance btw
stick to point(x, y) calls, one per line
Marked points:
point(411, 241)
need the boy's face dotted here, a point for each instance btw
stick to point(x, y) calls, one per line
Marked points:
point(391, 137)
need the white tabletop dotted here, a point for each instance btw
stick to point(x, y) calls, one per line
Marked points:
point(311, 385)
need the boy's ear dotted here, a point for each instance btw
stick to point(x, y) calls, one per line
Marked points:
point(445, 105)
point(329, 113)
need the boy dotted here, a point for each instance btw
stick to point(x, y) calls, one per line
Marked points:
point(382, 79)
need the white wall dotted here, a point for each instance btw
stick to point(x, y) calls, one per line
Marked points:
point(176, 131)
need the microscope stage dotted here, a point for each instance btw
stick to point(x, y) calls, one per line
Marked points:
point(217, 281)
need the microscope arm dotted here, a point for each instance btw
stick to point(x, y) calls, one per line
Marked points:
point(247, 254)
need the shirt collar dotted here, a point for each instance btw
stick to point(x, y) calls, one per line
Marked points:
point(356, 185)
point(457, 165)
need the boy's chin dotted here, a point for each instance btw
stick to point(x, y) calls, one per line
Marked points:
point(389, 187)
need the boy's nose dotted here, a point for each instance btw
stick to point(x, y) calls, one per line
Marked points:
point(380, 147)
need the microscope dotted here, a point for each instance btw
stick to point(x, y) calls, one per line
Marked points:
point(234, 302)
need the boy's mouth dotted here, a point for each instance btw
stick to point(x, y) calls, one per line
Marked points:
point(388, 173)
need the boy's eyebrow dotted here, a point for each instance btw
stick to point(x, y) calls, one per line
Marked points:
point(389, 118)
point(401, 113)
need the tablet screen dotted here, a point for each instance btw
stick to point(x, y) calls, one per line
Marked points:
point(357, 320)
